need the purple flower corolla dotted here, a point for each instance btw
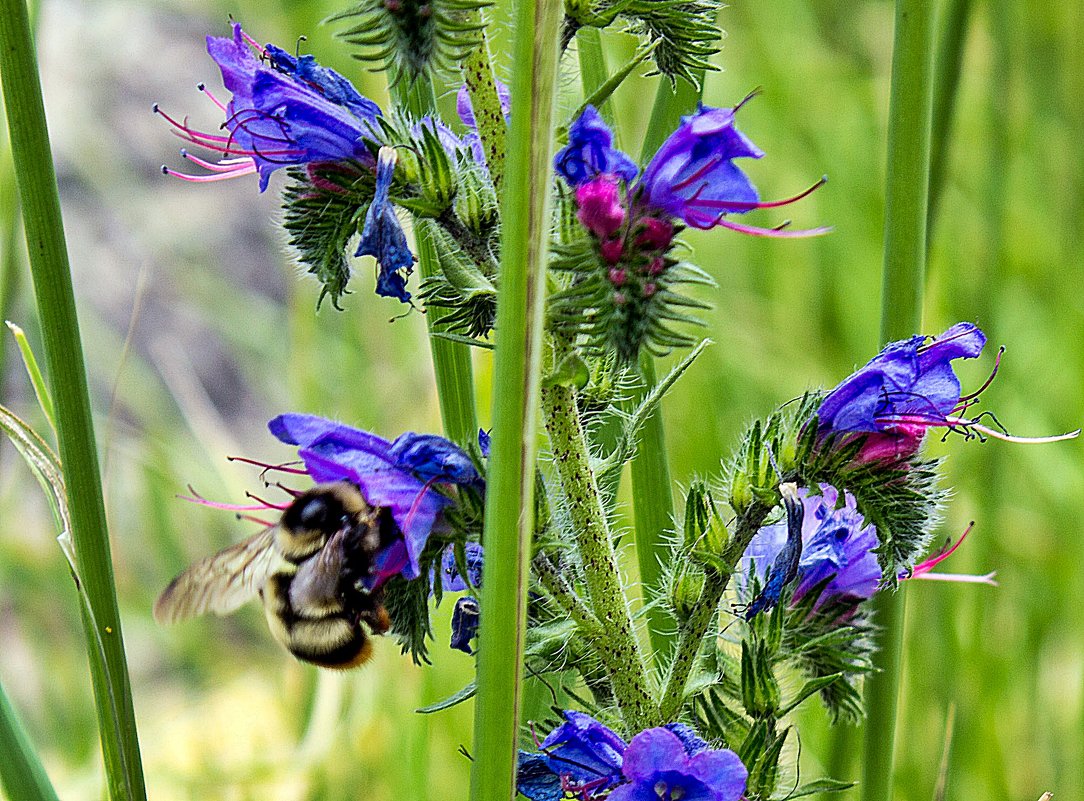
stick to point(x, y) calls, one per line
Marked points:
point(451, 580)
point(902, 391)
point(838, 547)
point(284, 111)
point(590, 152)
point(401, 476)
point(466, 616)
point(691, 178)
point(382, 234)
point(657, 767)
point(581, 757)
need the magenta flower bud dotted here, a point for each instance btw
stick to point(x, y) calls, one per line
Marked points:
point(656, 235)
point(618, 276)
point(656, 267)
point(649, 289)
point(600, 208)
point(620, 299)
point(612, 250)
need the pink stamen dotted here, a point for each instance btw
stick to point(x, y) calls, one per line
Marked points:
point(418, 502)
point(203, 88)
point(991, 432)
point(704, 169)
point(253, 44)
point(964, 578)
point(281, 468)
point(738, 205)
point(260, 520)
point(224, 165)
point(990, 380)
point(770, 232)
point(747, 98)
point(203, 179)
point(183, 126)
point(229, 507)
point(934, 561)
point(267, 504)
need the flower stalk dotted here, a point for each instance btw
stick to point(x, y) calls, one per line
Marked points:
point(901, 304)
point(691, 635)
point(619, 650)
point(510, 510)
point(67, 372)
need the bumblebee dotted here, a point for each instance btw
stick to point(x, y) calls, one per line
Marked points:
point(307, 570)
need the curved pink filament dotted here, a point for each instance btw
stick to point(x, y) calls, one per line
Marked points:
point(770, 232)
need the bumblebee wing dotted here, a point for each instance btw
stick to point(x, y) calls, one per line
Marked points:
point(220, 583)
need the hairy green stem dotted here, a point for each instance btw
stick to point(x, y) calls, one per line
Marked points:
point(901, 310)
point(652, 494)
point(620, 650)
point(22, 777)
point(486, 106)
point(691, 635)
point(511, 480)
point(451, 360)
point(67, 372)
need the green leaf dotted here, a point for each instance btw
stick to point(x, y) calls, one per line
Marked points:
point(808, 689)
point(821, 786)
point(36, 379)
point(22, 776)
point(452, 700)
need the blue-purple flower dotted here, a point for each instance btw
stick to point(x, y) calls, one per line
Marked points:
point(692, 177)
point(382, 235)
point(466, 615)
point(905, 389)
point(838, 548)
point(285, 111)
point(590, 152)
point(404, 476)
point(584, 759)
point(579, 756)
point(657, 767)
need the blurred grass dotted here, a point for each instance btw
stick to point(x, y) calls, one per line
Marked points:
point(227, 338)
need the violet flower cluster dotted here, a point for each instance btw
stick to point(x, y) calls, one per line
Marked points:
point(408, 476)
point(585, 759)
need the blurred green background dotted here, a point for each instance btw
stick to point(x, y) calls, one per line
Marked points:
point(198, 330)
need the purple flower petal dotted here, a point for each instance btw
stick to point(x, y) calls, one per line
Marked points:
point(692, 176)
point(652, 751)
point(722, 771)
point(382, 235)
point(584, 749)
point(590, 152)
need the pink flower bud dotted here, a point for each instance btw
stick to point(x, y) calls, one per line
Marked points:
point(612, 250)
point(649, 289)
point(656, 235)
point(657, 266)
point(617, 276)
point(600, 208)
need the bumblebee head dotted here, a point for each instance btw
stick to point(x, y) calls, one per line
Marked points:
point(318, 515)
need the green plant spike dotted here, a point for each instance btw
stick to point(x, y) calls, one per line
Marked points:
point(509, 514)
point(22, 776)
point(51, 274)
point(41, 392)
point(901, 317)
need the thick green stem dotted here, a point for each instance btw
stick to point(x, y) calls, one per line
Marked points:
point(692, 632)
point(64, 356)
point(901, 310)
point(451, 360)
point(510, 503)
point(652, 493)
point(595, 544)
point(486, 106)
point(22, 777)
